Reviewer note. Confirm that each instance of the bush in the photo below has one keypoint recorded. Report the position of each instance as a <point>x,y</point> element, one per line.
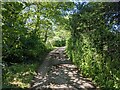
<point>59,43</point>
<point>94,48</point>
<point>102,64</point>
<point>24,50</point>
<point>20,42</point>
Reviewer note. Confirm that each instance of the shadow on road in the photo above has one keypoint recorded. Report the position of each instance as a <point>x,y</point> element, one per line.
<point>58,73</point>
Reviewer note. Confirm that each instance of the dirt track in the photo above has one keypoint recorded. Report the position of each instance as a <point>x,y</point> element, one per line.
<point>58,73</point>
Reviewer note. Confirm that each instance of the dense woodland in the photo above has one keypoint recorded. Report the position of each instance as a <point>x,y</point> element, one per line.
<point>89,30</point>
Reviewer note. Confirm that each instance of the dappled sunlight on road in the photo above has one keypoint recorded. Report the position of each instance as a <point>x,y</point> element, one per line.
<point>58,72</point>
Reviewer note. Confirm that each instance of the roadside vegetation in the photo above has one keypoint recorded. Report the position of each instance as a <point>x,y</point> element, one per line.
<point>90,31</point>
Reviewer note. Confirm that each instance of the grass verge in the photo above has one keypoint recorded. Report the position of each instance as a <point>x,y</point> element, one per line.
<point>18,75</point>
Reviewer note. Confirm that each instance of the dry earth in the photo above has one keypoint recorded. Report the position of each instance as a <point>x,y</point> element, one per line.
<point>58,73</point>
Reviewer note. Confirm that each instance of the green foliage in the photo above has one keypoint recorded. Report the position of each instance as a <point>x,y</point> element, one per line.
<point>59,43</point>
<point>18,75</point>
<point>93,48</point>
<point>30,29</point>
<point>59,37</point>
<point>19,43</point>
<point>26,29</point>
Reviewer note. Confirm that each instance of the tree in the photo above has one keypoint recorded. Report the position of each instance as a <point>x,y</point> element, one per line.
<point>92,46</point>
<point>28,27</point>
<point>19,42</point>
